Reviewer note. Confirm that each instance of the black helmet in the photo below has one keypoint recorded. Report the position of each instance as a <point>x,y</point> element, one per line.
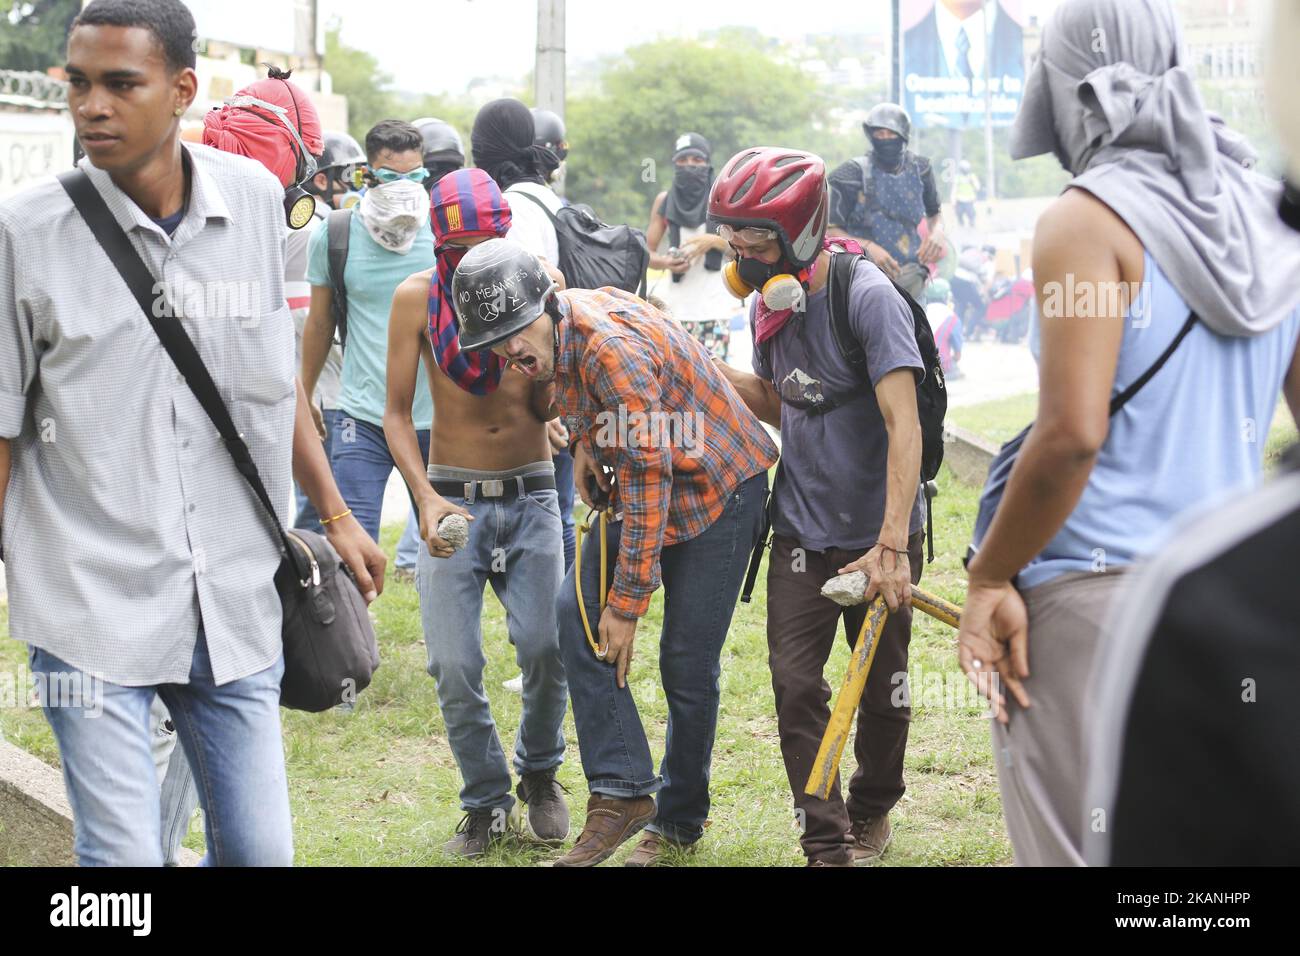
<point>548,131</point>
<point>889,116</point>
<point>499,289</point>
<point>442,144</point>
<point>340,150</point>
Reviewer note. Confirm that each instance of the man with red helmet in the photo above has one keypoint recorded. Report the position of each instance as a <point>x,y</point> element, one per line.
<point>845,498</point>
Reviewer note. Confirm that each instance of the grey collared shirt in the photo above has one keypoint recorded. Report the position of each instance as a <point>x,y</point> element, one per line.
<point>126,525</point>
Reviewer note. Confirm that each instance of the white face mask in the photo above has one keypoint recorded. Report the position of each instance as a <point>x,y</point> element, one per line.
<point>394,213</point>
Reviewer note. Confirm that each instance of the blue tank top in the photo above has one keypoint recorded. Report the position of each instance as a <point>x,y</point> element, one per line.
<point>1193,434</point>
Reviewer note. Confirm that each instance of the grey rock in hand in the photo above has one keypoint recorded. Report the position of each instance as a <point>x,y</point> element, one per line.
<point>846,590</point>
<point>454,529</point>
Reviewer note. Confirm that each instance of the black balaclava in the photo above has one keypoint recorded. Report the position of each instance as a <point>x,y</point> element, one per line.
<point>502,144</point>
<point>888,153</point>
<point>688,198</point>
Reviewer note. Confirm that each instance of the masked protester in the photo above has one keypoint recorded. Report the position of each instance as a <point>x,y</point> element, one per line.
<point>689,250</point>
<point>444,152</point>
<point>506,146</point>
<point>164,580</point>
<point>274,122</point>
<point>338,172</point>
<point>847,498</point>
<point>489,461</point>
<point>1190,331</point>
<point>1219,599</point>
<point>881,199</point>
<point>388,239</point>
<point>549,133</point>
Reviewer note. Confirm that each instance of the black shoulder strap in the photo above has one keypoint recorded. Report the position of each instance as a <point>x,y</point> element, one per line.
<point>339,225</point>
<point>1122,399</point>
<point>171,332</point>
<point>839,281</point>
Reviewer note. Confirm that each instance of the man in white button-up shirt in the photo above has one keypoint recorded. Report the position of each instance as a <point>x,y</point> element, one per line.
<point>138,560</point>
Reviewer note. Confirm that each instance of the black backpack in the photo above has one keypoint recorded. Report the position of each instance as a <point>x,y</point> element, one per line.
<point>931,390</point>
<point>593,253</point>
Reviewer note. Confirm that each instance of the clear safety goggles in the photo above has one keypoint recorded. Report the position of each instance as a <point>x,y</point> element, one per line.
<point>752,235</point>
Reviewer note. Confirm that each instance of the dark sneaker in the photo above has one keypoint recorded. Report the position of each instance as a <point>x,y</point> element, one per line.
<point>828,863</point>
<point>655,849</point>
<point>547,819</point>
<point>478,830</point>
<point>870,839</point>
<point>611,821</point>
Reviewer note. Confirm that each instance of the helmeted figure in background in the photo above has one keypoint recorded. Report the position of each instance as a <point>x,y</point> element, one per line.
<point>881,199</point>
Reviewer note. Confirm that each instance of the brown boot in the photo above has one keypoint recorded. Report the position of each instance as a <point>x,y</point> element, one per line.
<point>870,839</point>
<point>611,821</point>
<point>654,849</point>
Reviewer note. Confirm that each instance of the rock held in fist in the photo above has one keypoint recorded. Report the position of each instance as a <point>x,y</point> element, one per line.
<point>846,590</point>
<point>454,529</point>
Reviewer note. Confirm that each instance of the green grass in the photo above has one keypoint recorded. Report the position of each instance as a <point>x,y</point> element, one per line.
<point>379,786</point>
<point>1001,419</point>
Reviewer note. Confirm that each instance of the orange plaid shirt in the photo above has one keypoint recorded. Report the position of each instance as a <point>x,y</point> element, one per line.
<point>645,398</point>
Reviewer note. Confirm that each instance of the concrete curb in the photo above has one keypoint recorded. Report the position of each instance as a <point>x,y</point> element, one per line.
<point>35,816</point>
<point>967,454</point>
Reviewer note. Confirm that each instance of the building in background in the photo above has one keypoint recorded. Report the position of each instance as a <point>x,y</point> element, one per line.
<point>236,38</point>
<point>36,138</point>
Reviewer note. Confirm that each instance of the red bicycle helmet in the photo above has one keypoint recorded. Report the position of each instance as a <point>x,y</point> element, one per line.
<point>775,188</point>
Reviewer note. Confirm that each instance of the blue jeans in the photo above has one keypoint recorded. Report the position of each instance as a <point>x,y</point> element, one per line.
<point>514,544</point>
<point>409,543</point>
<point>307,517</point>
<point>701,580</point>
<point>565,488</point>
<point>231,737</point>
<point>362,464</point>
<point>179,797</point>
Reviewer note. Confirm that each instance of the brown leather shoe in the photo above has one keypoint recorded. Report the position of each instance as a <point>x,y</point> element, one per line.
<point>870,839</point>
<point>611,821</point>
<point>654,849</point>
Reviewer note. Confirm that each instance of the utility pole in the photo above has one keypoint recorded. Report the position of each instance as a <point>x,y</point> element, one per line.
<point>549,68</point>
<point>989,181</point>
<point>895,58</point>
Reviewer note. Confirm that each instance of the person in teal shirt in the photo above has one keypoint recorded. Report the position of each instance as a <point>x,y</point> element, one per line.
<point>388,239</point>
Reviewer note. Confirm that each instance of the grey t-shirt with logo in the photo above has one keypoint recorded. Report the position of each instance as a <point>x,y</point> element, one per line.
<point>831,490</point>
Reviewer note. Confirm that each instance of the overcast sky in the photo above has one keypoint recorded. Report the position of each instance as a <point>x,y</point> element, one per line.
<point>438,45</point>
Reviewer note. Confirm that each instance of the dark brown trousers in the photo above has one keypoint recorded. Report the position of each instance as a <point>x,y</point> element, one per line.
<point>801,627</point>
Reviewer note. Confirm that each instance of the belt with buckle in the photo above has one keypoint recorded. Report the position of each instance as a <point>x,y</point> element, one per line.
<point>493,487</point>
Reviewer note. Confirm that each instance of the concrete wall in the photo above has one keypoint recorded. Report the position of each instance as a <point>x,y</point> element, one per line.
<point>35,818</point>
<point>968,455</point>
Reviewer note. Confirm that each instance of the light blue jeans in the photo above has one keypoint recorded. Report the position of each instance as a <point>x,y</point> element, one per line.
<point>515,544</point>
<point>408,545</point>
<point>179,796</point>
<point>231,737</point>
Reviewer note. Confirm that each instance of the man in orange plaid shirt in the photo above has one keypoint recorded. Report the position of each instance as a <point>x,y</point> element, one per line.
<point>689,460</point>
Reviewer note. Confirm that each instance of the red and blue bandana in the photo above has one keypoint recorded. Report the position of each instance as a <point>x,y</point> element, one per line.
<point>466,204</point>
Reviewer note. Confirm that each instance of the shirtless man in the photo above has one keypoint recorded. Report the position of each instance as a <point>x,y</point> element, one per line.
<point>490,461</point>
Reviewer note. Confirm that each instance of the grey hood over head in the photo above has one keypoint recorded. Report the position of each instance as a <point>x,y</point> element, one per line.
<point>1109,97</point>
